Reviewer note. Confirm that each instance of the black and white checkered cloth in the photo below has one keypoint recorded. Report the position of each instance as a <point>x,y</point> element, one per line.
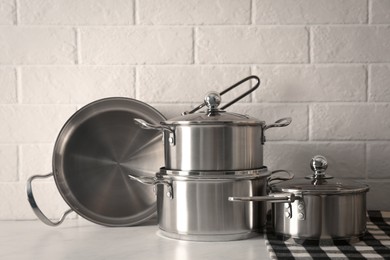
<point>374,245</point>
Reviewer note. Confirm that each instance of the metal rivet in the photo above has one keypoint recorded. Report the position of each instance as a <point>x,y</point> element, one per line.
<point>287,214</point>
<point>286,206</point>
<point>170,139</point>
<point>300,216</point>
<point>300,206</point>
<point>169,194</point>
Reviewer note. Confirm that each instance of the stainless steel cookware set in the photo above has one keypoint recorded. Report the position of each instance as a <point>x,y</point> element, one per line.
<point>211,183</point>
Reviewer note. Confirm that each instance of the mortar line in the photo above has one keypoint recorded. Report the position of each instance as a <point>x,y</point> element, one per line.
<point>135,92</point>
<point>18,162</point>
<point>309,119</point>
<point>252,12</point>
<point>367,81</point>
<point>78,46</point>
<point>16,12</point>
<point>310,44</point>
<point>368,18</point>
<point>194,52</point>
<point>18,74</point>
<point>365,161</point>
<point>135,12</point>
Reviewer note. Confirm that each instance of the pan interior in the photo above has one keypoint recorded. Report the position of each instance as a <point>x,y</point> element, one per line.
<point>98,148</point>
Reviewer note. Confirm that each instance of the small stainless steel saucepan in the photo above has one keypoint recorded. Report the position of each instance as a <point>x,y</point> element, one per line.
<point>317,207</point>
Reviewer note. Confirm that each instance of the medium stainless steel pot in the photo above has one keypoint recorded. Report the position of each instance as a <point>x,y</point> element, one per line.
<point>195,206</point>
<point>317,207</point>
<point>214,140</point>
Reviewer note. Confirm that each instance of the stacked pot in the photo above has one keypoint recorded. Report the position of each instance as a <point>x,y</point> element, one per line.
<point>209,157</point>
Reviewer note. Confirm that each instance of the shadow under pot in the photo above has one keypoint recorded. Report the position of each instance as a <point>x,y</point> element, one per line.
<point>317,207</point>
<point>195,206</point>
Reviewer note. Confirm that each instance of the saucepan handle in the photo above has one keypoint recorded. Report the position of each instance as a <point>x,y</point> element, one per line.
<point>35,207</point>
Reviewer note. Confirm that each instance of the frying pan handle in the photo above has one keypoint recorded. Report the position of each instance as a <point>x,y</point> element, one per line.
<point>35,207</point>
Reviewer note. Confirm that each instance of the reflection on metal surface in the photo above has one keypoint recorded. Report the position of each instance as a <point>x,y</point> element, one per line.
<point>181,209</point>
<point>94,153</point>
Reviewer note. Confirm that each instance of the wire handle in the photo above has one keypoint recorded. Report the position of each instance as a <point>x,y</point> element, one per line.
<point>227,90</point>
<point>42,217</point>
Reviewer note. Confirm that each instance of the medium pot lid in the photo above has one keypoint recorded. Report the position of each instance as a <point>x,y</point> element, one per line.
<point>320,182</point>
<point>213,115</point>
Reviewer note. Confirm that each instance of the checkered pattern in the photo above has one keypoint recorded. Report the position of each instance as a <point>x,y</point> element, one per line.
<point>374,245</point>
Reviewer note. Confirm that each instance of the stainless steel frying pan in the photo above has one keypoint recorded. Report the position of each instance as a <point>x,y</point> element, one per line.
<point>93,154</point>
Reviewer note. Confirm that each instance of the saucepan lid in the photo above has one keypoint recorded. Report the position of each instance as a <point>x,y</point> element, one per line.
<point>320,182</point>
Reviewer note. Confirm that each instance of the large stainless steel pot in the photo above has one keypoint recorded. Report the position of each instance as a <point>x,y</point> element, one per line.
<point>317,207</point>
<point>195,206</point>
<point>214,140</point>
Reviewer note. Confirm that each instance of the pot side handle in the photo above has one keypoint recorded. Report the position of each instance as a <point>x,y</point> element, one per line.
<point>146,125</point>
<point>153,181</point>
<point>35,207</point>
<point>274,177</point>
<point>279,123</point>
<point>275,198</point>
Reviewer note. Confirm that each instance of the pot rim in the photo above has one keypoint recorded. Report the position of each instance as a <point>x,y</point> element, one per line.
<point>214,175</point>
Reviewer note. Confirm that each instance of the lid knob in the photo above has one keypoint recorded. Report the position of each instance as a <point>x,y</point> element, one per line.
<point>212,101</point>
<point>319,164</point>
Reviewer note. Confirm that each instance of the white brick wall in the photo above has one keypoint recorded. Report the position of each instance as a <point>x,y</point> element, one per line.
<point>326,63</point>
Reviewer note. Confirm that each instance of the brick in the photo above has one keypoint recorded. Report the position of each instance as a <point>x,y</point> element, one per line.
<point>7,12</point>
<point>252,45</point>
<point>177,84</point>
<point>311,83</point>
<point>137,45</point>
<point>37,45</point>
<point>346,160</point>
<point>35,159</point>
<point>380,11</point>
<point>350,122</point>
<point>307,12</point>
<point>16,206</point>
<point>171,110</point>
<point>378,160</point>
<point>297,130</point>
<point>9,162</point>
<point>379,83</point>
<point>86,12</point>
<point>8,86</point>
<point>378,196</point>
<point>194,12</point>
<point>351,44</point>
<point>80,85</point>
<point>31,123</point>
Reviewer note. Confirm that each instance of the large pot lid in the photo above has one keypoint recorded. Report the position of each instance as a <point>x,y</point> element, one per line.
<point>95,151</point>
<point>213,115</point>
<point>320,182</point>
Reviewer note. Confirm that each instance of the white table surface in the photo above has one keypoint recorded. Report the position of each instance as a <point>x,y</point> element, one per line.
<point>79,239</point>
